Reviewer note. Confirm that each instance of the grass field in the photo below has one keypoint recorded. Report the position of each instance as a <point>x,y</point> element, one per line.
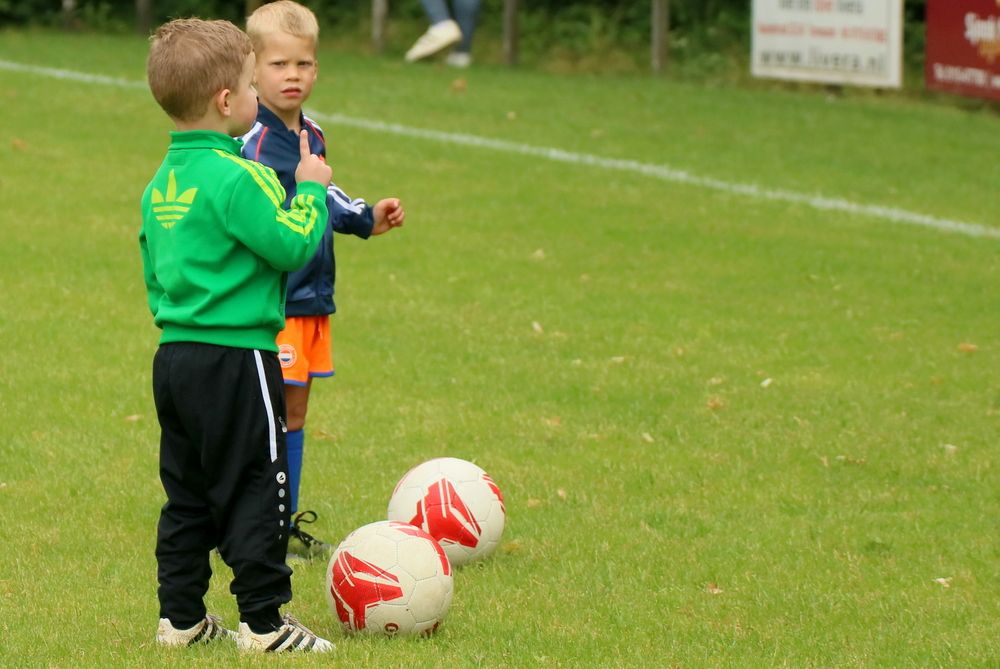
<point>731,432</point>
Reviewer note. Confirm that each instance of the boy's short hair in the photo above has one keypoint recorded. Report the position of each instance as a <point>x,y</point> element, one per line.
<point>190,60</point>
<point>282,16</point>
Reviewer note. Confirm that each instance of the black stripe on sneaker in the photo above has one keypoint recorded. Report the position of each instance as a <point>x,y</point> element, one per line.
<point>197,637</point>
<point>277,642</point>
<point>312,642</point>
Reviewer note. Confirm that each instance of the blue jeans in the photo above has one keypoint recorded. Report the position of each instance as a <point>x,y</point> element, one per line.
<point>466,15</point>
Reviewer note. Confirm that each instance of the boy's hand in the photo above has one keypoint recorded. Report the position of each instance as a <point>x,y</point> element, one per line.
<point>388,214</point>
<point>311,167</point>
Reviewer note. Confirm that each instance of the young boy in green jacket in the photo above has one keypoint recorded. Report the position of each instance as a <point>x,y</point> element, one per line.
<point>216,245</point>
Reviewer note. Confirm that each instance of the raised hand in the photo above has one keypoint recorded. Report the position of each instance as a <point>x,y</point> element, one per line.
<point>311,167</point>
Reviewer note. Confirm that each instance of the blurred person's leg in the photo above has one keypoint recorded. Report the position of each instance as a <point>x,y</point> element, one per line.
<point>436,10</point>
<point>466,15</point>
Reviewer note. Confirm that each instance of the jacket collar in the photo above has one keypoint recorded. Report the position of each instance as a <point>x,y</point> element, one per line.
<point>204,139</point>
<point>270,120</point>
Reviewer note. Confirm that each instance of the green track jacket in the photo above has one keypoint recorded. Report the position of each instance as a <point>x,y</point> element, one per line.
<point>217,244</point>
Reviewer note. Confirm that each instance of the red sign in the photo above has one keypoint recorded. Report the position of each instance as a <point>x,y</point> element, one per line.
<point>963,47</point>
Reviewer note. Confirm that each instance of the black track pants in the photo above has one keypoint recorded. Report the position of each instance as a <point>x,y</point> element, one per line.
<point>224,467</point>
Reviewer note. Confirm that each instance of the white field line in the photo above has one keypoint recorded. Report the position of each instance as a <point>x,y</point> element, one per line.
<point>661,172</point>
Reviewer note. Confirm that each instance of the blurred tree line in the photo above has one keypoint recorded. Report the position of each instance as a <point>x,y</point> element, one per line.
<point>115,13</point>
<point>707,35</point>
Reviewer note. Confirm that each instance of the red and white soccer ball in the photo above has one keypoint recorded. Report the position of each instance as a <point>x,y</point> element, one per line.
<point>389,578</point>
<point>454,501</point>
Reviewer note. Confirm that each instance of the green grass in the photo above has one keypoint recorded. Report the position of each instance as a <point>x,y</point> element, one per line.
<point>665,508</point>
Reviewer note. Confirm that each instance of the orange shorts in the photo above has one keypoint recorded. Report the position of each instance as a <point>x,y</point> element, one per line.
<point>305,349</point>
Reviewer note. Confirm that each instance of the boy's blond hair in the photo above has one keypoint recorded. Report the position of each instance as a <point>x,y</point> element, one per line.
<point>283,16</point>
<point>190,60</point>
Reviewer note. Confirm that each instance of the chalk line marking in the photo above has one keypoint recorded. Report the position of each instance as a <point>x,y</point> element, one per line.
<point>656,171</point>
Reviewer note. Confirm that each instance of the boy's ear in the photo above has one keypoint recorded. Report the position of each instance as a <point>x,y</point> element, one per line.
<point>221,103</point>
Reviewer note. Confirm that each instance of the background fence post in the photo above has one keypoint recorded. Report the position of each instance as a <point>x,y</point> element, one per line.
<point>380,10</point>
<point>510,32</point>
<point>69,14</point>
<point>143,16</point>
<point>661,34</point>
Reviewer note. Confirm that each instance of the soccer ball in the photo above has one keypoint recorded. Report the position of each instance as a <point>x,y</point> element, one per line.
<point>455,502</point>
<point>390,578</point>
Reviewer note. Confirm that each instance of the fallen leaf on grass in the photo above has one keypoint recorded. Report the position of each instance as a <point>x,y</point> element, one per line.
<point>539,254</point>
<point>713,589</point>
<point>647,437</point>
<point>533,503</point>
<point>944,582</point>
<point>561,493</point>
<point>967,347</point>
<point>554,421</point>
<point>459,85</point>
<point>766,382</point>
<point>512,546</point>
<point>949,448</point>
<point>716,381</point>
<point>133,418</point>
<point>537,327</point>
<point>618,359</point>
<point>715,403</point>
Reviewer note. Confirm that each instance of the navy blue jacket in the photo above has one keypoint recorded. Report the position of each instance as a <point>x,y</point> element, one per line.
<point>310,289</point>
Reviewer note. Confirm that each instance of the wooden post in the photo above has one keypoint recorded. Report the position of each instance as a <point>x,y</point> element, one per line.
<point>661,34</point>
<point>380,10</point>
<point>143,16</point>
<point>69,14</point>
<point>510,32</point>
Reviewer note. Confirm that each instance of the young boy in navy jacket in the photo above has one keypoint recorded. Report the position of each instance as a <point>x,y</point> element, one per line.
<point>284,36</point>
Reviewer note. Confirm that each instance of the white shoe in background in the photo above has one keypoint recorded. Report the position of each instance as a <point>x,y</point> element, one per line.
<point>459,59</point>
<point>438,36</point>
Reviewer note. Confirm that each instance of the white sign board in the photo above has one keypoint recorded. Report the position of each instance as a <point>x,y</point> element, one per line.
<point>856,42</point>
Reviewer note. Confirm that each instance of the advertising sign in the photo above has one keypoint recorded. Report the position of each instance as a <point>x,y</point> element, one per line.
<point>963,47</point>
<point>855,42</point>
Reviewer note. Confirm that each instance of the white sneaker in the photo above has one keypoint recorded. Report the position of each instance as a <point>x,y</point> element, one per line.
<point>459,59</point>
<point>438,36</point>
<point>206,631</point>
<point>291,636</point>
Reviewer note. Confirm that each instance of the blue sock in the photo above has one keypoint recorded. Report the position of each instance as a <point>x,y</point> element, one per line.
<point>294,441</point>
